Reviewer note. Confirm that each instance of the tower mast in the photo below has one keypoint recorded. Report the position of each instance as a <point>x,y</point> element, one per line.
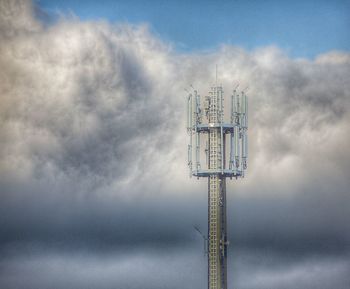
<point>218,166</point>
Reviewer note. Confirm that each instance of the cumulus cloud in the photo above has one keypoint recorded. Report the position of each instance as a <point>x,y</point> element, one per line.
<point>93,148</point>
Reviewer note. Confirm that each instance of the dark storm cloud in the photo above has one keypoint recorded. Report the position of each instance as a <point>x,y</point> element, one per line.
<point>92,160</point>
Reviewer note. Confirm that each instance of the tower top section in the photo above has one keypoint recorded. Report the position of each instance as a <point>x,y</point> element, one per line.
<point>223,137</point>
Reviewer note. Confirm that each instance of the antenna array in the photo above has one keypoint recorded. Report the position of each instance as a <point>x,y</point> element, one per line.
<point>235,131</point>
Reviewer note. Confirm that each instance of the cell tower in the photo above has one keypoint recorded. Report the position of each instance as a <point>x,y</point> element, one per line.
<point>221,139</point>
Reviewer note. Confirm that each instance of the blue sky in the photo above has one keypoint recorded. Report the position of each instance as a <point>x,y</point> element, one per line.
<point>301,28</point>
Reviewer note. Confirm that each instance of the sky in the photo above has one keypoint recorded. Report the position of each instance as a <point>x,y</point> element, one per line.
<point>301,28</point>
<point>94,186</point>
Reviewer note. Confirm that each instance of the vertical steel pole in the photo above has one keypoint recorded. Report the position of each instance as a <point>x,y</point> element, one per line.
<point>216,168</point>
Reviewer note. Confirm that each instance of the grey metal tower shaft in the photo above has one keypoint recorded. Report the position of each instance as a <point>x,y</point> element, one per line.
<point>217,229</point>
<point>217,234</point>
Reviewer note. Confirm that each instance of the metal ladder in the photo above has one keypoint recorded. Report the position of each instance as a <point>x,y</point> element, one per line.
<point>214,192</point>
<point>213,232</point>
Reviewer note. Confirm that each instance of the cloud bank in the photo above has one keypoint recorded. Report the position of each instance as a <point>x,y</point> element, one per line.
<point>93,175</point>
